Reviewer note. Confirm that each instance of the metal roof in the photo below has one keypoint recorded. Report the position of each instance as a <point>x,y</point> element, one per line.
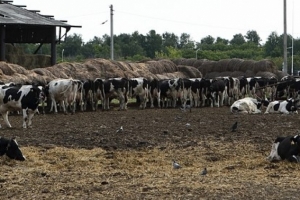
<point>17,15</point>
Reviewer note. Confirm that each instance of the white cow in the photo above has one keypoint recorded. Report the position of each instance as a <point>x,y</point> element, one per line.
<point>246,105</point>
<point>285,107</point>
<point>64,91</point>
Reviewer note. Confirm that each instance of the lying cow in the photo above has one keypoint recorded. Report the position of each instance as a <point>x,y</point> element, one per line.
<point>285,107</point>
<point>247,105</point>
<point>11,149</point>
<point>285,148</point>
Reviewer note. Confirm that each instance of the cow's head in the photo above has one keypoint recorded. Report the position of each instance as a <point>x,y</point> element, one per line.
<point>292,105</point>
<point>296,140</point>
<point>261,103</point>
<point>11,149</point>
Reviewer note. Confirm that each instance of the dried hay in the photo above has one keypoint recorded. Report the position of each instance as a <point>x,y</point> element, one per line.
<point>264,65</point>
<point>189,71</point>
<point>237,74</point>
<point>265,74</point>
<point>161,66</point>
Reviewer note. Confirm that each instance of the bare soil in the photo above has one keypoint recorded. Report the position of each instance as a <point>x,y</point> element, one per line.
<point>82,156</point>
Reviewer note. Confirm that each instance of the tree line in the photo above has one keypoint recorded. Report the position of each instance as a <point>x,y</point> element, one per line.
<point>137,47</point>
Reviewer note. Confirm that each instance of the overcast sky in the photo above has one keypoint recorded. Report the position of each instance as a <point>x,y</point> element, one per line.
<point>198,18</point>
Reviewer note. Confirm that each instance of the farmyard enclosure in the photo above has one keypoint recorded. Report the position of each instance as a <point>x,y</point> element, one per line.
<point>82,157</point>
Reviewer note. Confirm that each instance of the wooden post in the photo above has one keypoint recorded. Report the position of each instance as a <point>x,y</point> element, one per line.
<point>53,46</point>
<point>2,43</point>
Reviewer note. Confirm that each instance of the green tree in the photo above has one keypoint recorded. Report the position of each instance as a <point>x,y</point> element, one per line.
<point>253,37</point>
<point>153,43</point>
<point>238,39</point>
<point>208,40</point>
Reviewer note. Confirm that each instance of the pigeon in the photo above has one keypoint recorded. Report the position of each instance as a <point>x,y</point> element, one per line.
<point>204,172</point>
<point>234,126</point>
<point>120,129</point>
<point>176,165</point>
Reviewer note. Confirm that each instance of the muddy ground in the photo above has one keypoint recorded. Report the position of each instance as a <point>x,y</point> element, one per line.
<point>82,156</point>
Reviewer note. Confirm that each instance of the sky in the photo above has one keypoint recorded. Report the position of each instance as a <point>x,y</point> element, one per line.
<point>198,18</point>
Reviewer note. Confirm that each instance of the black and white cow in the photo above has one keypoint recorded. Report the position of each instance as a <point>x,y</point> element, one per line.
<point>169,89</point>
<point>217,92</point>
<point>232,89</point>
<point>10,148</point>
<point>285,107</point>
<point>113,88</point>
<point>247,105</point>
<point>244,87</point>
<point>186,92</point>
<point>25,98</point>
<point>153,91</point>
<point>63,91</point>
<point>138,87</point>
<point>88,94</point>
<point>285,148</point>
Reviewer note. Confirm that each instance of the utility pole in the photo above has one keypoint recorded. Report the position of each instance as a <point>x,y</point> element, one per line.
<point>284,39</point>
<point>111,33</point>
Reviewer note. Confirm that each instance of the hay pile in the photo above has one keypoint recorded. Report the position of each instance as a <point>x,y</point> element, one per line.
<point>96,68</point>
<point>233,67</point>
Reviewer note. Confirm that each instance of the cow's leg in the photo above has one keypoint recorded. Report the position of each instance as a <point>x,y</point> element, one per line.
<point>158,99</point>
<point>5,118</point>
<point>30,117</point>
<point>221,98</point>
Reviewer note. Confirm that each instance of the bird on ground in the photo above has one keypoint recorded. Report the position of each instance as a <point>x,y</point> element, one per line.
<point>120,129</point>
<point>204,172</point>
<point>234,127</point>
<point>176,165</point>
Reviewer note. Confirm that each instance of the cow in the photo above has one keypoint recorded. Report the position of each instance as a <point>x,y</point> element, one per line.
<point>88,94</point>
<point>217,92</point>
<point>112,88</point>
<point>244,87</point>
<point>285,148</point>
<point>285,107</point>
<point>11,149</point>
<point>64,91</point>
<point>153,91</point>
<point>186,92</point>
<point>25,98</point>
<point>169,89</point>
<point>232,89</point>
<point>139,87</point>
<point>196,91</point>
<point>247,105</point>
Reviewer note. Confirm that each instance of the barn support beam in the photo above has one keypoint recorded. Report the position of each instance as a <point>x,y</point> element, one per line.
<point>2,43</point>
<point>53,46</point>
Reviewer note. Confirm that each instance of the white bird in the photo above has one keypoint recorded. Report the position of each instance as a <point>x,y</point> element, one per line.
<point>120,129</point>
<point>176,165</point>
<point>204,172</point>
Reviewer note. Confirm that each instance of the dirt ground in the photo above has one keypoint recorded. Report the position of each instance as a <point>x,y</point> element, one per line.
<point>82,156</point>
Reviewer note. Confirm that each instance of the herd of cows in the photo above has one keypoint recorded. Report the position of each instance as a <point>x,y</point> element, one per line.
<point>243,95</point>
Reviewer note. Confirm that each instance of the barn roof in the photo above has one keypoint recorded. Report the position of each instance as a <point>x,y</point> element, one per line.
<point>20,25</point>
<point>17,15</point>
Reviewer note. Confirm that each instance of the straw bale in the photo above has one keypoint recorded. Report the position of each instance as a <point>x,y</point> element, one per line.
<point>264,65</point>
<point>247,65</point>
<point>237,74</point>
<point>280,74</point>
<point>6,68</point>
<point>265,74</point>
<point>212,75</point>
<point>189,72</point>
<point>249,73</point>
<point>161,66</point>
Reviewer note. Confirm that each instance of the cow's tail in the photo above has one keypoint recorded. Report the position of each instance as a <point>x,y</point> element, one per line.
<point>69,86</point>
